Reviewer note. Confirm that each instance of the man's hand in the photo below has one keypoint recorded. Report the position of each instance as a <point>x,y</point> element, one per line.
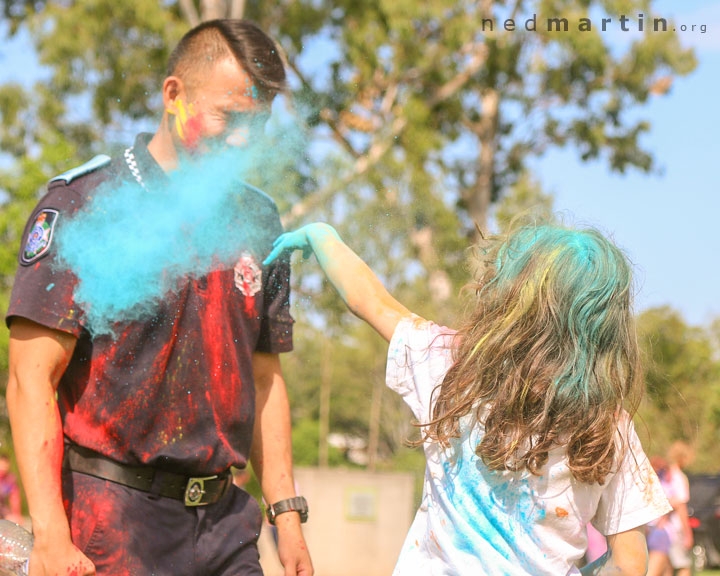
<point>292,549</point>
<point>38,357</point>
<point>58,557</point>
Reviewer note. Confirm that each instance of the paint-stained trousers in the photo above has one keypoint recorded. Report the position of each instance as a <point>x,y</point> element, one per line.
<point>126,532</point>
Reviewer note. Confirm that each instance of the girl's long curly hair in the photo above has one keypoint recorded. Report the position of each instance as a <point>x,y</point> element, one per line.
<point>549,355</point>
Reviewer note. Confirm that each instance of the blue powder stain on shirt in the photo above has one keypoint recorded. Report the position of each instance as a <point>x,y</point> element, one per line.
<point>192,224</point>
<point>497,508</point>
<point>50,286</point>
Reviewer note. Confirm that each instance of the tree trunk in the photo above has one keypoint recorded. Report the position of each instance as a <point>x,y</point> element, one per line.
<point>325,386</point>
<point>187,7</point>
<point>478,197</point>
<point>212,9</point>
<point>374,436</point>
<point>438,280</point>
<point>237,9</point>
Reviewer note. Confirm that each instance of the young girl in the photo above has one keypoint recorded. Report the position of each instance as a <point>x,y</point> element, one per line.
<point>521,409</point>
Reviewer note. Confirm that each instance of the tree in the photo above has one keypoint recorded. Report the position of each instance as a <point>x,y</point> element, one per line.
<point>682,374</point>
<point>431,114</point>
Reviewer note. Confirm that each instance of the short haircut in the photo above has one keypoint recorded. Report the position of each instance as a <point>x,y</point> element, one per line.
<point>215,40</point>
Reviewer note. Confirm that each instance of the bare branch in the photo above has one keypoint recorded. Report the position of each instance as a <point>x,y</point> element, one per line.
<point>187,7</point>
<point>478,197</point>
<point>453,85</point>
<point>516,9</point>
<point>389,99</point>
<point>325,114</point>
<point>376,151</point>
<point>382,145</point>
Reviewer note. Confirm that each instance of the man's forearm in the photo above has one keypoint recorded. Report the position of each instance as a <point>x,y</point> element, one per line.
<point>271,456</point>
<point>271,453</point>
<point>38,441</point>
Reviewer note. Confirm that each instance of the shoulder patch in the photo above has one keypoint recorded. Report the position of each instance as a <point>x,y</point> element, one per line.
<point>248,275</point>
<point>98,162</point>
<point>40,236</point>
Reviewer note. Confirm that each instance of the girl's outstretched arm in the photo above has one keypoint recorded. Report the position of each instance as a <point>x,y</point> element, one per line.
<point>626,556</point>
<point>353,280</point>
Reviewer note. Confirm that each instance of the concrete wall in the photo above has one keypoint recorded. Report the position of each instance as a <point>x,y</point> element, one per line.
<point>357,525</point>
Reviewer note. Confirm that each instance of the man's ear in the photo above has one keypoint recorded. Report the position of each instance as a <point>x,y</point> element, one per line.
<point>173,93</point>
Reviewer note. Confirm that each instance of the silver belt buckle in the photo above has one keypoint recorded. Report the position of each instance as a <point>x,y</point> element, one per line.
<point>195,490</point>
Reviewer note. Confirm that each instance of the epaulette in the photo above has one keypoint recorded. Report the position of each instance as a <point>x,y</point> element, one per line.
<point>98,162</point>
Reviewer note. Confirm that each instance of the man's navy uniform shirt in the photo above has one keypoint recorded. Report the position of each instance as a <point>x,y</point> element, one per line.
<point>175,391</point>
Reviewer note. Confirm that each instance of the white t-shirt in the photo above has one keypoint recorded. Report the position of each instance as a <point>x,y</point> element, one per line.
<point>475,521</point>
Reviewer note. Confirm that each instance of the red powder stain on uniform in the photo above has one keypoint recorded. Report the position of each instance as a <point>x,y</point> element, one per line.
<point>561,512</point>
<point>249,305</point>
<point>96,513</point>
<point>99,433</point>
<point>435,540</point>
<point>222,362</point>
<point>162,359</point>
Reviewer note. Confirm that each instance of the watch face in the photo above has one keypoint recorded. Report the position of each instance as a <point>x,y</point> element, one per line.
<point>297,504</point>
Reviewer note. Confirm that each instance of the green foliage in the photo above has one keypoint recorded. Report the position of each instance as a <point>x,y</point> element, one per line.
<point>525,199</point>
<point>430,121</point>
<point>682,374</point>
<point>305,438</point>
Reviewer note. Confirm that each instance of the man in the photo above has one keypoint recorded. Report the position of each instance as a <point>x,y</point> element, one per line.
<point>126,470</point>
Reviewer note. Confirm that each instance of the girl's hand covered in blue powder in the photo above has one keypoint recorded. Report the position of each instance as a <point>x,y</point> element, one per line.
<point>355,282</point>
<point>300,239</point>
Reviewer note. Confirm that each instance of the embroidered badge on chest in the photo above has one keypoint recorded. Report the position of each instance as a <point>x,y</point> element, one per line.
<point>248,275</point>
<point>40,236</point>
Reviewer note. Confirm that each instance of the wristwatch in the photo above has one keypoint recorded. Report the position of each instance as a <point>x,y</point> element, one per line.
<point>297,504</point>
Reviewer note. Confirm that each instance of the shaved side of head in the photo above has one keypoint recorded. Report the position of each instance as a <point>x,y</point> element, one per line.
<point>211,42</point>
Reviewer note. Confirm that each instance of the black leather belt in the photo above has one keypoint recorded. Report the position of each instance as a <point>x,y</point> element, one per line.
<point>192,490</point>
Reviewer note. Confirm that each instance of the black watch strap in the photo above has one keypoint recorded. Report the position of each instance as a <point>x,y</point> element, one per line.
<point>297,504</point>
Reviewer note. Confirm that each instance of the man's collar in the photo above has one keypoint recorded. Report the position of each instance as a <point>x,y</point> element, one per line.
<point>149,170</point>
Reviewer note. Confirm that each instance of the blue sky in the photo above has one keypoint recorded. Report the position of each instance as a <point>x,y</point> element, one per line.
<point>667,223</point>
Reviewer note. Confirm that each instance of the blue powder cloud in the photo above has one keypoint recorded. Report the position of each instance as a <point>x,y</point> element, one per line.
<point>129,246</point>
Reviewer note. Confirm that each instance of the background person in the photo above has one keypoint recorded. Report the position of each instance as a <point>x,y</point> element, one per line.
<point>658,539</point>
<point>10,500</point>
<point>680,456</point>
